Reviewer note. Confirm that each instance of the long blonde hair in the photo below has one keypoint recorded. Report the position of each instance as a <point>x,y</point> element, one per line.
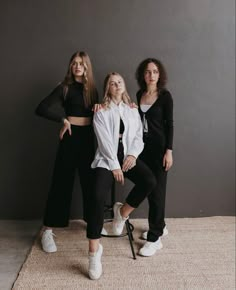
<point>90,92</point>
<point>107,96</point>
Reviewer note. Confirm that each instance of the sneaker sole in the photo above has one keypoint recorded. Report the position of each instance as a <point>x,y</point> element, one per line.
<point>52,251</point>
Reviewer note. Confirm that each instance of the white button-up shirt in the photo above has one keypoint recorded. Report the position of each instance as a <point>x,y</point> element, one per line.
<point>106,126</point>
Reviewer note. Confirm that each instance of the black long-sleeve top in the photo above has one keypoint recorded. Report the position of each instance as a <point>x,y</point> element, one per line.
<point>159,119</point>
<point>72,102</point>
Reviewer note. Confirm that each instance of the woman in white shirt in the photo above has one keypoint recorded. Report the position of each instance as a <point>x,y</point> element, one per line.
<point>118,129</point>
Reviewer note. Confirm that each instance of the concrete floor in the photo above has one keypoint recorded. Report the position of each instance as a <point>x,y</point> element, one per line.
<point>16,238</point>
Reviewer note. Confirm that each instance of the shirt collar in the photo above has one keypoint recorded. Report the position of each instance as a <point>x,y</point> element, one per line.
<point>114,105</point>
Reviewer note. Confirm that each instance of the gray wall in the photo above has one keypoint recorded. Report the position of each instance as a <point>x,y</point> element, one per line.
<point>194,39</point>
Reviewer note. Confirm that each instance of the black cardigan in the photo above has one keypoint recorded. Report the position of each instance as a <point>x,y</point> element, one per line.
<point>160,119</point>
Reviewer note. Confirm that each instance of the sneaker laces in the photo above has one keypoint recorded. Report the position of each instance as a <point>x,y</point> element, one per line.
<point>49,236</point>
<point>93,261</point>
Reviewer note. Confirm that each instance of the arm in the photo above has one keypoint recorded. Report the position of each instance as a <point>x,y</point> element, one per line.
<point>105,142</point>
<point>97,107</point>
<point>66,126</point>
<point>137,144</point>
<point>44,108</point>
<point>168,115</point>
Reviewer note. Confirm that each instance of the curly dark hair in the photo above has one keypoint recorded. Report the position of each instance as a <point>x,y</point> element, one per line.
<point>141,69</point>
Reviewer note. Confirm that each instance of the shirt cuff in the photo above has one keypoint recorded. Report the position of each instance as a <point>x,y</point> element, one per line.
<point>114,164</point>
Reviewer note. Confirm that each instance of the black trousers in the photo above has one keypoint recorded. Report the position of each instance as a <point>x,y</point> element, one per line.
<point>75,152</point>
<point>152,156</point>
<point>144,182</point>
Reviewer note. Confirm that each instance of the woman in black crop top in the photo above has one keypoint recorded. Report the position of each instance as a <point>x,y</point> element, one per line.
<point>156,110</point>
<point>77,95</point>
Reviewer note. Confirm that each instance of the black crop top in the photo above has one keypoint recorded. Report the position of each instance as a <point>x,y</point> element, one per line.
<point>73,103</point>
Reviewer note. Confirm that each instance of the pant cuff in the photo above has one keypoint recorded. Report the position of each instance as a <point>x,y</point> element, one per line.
<point>93,237</point>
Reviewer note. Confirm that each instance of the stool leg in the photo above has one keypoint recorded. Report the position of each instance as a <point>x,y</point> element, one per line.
<point>130,238</point>
<point>131,231</point>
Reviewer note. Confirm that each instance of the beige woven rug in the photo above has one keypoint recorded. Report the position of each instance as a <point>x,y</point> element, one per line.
<point>198,253</point>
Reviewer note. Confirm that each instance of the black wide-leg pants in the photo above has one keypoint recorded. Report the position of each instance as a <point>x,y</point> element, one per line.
<point>152,156</point>
<point>75,152</point>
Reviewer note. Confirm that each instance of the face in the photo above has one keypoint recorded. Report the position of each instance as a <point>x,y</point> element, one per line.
<point>151,74</point>
<point>77,67</point>
<point>116,85</point>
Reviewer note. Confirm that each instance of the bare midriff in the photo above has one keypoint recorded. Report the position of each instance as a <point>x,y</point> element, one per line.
<point>80,121</point>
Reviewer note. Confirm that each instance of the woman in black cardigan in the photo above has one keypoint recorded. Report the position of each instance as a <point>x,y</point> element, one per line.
<point>156,110</point>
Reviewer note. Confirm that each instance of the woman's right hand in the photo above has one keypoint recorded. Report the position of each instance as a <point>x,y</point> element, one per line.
<point>97,107</point>
<point>118,175</point>
<point>65,127</point>
<point>133,105</point>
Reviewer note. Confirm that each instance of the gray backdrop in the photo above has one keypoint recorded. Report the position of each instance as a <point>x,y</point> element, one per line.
<point>196,42</point>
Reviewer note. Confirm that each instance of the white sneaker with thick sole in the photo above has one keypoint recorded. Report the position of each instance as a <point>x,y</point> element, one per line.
<point>150,248</point>
<point>95,265</point>
<point>118,221</point>
<point>47,241</point>
<point>165,233</point>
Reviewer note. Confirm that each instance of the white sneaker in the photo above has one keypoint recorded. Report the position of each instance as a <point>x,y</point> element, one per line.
<point>104,232</point>
<point>47,241</point>
<point>150,248</point>
<point>118,221</point>
<point>95,265</point>
<point>165,233</point>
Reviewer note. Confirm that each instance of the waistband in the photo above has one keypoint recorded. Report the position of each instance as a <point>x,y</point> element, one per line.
<point>90,126</point>
<point>88,129</point>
